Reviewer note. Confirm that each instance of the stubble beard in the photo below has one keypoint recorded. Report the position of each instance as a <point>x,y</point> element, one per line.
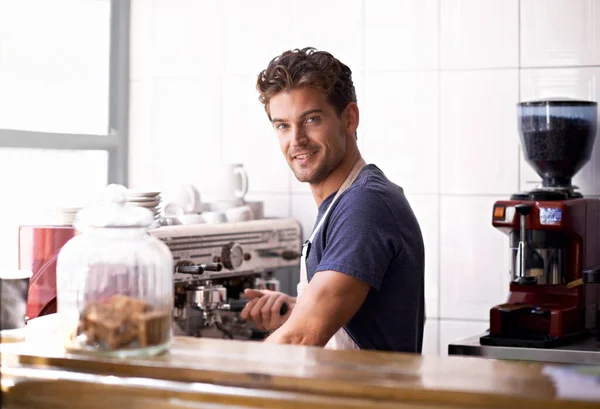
<point>319,174</point>
<point>323,168</point>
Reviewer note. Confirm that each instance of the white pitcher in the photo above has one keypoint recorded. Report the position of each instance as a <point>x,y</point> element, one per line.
<point>234,185</point>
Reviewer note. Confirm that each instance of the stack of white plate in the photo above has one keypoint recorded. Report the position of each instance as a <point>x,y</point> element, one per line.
<point>149,200</point>
<point>63,216</point>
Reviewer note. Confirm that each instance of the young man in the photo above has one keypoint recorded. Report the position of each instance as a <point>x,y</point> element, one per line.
<point>362,270</point>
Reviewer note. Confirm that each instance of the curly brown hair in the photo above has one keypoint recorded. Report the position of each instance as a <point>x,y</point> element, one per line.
<point>307,67</point>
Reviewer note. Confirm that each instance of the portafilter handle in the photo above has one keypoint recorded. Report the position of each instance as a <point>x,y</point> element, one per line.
<point>193,269</point>
<point>523,210</point>
<point>198,269</point>
<point>238,305</point>
<point>212,266</point>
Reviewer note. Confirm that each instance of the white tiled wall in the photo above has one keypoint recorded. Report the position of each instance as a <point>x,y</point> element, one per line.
<point>403,136</point>
<point>560,33</point>
<point>478,131</point>
<point>401,35</point>
<point>437,83</point>
<point>474,259</point>
<point>479,34</point>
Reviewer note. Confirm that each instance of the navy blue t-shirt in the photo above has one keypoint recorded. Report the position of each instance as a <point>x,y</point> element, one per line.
<point>371,233</point>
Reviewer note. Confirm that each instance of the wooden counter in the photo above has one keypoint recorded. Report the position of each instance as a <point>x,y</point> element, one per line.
<point>253,374</point>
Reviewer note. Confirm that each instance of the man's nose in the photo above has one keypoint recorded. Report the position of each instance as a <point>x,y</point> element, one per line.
<point>299,136</point>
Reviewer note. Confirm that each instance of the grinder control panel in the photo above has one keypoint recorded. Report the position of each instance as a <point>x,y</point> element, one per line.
<point>546,214</point>
<point>504,213</point>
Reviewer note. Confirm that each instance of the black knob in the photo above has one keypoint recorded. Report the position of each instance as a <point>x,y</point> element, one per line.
<point>523,209</point>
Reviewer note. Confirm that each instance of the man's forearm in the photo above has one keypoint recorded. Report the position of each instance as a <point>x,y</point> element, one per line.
<point>328,303</point>
<point>293,333</point>
<point>313,321</point>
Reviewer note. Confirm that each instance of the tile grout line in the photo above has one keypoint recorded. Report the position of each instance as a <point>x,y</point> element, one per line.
<point>439,196</point>
<point>154,137</point>
<point>471,69</point>
<point>364,63</point>
<point>221,12</point>
<point>519,182</point>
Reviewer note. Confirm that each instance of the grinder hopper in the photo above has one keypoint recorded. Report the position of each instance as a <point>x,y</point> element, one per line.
<point>557,137</point>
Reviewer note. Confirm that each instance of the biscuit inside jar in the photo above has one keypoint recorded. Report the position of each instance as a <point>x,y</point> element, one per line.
<point>122,322</point>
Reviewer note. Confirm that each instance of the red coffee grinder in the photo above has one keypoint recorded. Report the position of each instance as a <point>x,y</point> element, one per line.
<point>553,231</point>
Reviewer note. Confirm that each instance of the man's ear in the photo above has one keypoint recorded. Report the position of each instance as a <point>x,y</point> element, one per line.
<point>351,116</point>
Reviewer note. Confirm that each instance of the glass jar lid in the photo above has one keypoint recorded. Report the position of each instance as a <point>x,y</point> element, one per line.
<point>113,211</point>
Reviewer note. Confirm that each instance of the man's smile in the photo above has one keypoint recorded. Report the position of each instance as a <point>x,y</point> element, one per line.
<point>304,155</point>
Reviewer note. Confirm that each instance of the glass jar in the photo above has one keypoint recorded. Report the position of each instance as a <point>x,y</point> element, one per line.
<point>115,282</point>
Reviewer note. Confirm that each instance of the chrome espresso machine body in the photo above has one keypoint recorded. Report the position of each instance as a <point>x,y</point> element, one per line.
<point>215,263</point>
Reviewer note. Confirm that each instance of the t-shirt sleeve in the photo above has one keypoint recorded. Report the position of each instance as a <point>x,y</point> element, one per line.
<point>362,237</point>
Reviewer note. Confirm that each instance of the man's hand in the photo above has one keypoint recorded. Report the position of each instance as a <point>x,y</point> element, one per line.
<point>264,307</point>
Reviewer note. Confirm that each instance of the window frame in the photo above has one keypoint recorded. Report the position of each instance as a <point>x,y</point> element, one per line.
<point>116,139</point>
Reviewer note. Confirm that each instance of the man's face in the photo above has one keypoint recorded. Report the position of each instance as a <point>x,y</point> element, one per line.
<point>311,135</point>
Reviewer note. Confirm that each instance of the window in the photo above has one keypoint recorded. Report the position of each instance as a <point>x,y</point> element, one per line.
<point>64,73</point>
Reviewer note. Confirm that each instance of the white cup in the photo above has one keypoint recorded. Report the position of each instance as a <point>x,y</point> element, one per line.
<point>214,217</point>
<point>224,205</point>
<point>185,197</point>
<point>189,198</point>
<point>239,214</point>
<point>190,218</point>
<point>234,183</point>
<point>258,209</point>
<point>174,210</point>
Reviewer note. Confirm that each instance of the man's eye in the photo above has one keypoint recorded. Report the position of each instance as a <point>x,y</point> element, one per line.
<point>281,126</point>
<point>312,119</point>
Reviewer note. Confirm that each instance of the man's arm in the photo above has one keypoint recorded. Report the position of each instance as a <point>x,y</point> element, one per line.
<point>328,303</point>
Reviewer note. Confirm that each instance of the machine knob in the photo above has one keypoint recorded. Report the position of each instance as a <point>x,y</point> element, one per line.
<point>232,256</point>
<point>523,209</point>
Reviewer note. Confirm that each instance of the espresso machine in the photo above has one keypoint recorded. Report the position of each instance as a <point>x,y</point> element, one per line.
<point>553,233</point>
<point>215,263</point>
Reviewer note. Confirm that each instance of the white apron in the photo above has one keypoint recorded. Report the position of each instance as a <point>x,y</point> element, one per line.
<point>341,339</point>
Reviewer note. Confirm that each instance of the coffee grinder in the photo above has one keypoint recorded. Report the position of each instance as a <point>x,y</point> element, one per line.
<point>553,230</point>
